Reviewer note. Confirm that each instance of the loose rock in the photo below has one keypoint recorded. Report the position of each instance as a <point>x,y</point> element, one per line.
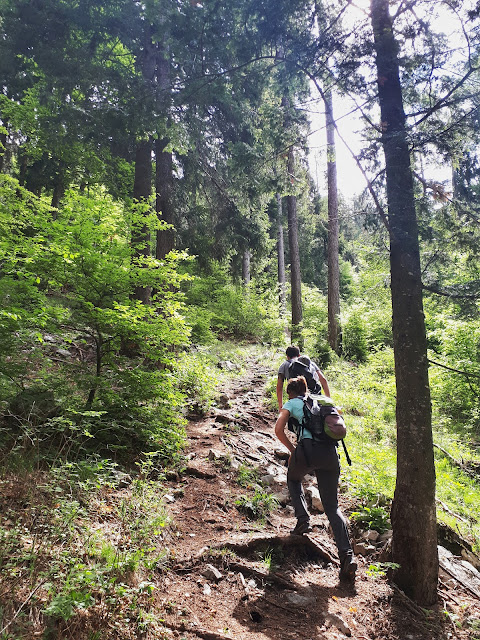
<point>212,573</point>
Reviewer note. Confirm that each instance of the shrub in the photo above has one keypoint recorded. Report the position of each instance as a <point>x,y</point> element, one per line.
<point>354,335</point>
<point>217,305</point>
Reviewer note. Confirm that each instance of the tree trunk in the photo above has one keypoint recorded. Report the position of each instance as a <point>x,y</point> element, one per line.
<point>413,510</point>
<point>282,296</point>
<point>295,275</point>
<point>246,267</point>
<point>164,205</point>
<point>58,191</point>
<point>142,189</point>
<point>333,227</point>
<point>3,149</point>
<point>164,164</point>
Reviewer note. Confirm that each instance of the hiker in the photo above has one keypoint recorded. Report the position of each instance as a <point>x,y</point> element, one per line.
<point>309,456</point>
<point>317,383</point>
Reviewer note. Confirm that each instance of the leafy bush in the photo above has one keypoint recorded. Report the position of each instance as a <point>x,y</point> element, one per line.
<point>217,305</point>
<point>257,506</point>
<point>372,518</point>
<point>73,318</point>
<point>354,335</point>
<point>197,380</point>
<point>455,394</point>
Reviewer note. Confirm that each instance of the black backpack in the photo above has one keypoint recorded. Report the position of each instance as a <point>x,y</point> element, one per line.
<point>323,421</point>
<point>298,368</point>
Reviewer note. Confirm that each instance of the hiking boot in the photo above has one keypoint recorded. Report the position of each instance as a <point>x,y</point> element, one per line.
<point>301,528</point>
<point>348,568</point>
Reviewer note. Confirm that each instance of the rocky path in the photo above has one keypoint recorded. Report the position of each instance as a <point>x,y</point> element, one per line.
<point>235,576</point>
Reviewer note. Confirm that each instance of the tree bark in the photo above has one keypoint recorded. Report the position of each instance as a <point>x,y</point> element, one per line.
<point>246,267</point>
<point>413,510</point>
<point>333,231</point>
<point>142,189</point>
<point>295,274</point>
<point>282,297</point>
<point>164,164</point>
<point>3,149</point>
<point>164,205</point>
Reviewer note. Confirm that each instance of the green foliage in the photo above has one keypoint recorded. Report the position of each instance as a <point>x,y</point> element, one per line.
<point>197,380</point>
<point>247,476</point>
<point>321,352</point>
<point>456,344</point>
<point>379,569</point>
<point>216,306</point>
<point>354,334</point>
<point>69,316</point>
<point>257,506</point>
<point>375,518</point>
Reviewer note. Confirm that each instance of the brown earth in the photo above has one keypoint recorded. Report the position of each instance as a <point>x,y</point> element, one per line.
<point>229,574</point>
<point>300,596</point>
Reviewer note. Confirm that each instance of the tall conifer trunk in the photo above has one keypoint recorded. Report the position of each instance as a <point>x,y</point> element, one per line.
<point>164,163</point>
<point>142,186</point>
<point>413,510</point>
<point>246,267</point>
<point>164,205</point>
<point>3,148</point>
<point>142,189</point>
<point>295,274</point>
<point>333,230</point>
<point>282,297</point>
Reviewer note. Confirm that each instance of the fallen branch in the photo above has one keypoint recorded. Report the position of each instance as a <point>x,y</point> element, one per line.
<point>452,513</point>
<point>17,612</point>
<point>455,462</point>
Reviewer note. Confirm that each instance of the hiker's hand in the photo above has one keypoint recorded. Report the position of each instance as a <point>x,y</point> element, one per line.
<point>290,457</point>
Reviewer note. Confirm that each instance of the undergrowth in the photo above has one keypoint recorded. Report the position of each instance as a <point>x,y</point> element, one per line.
<point>366,394</point>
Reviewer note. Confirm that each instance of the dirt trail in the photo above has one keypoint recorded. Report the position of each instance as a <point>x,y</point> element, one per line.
<point>235,577</point>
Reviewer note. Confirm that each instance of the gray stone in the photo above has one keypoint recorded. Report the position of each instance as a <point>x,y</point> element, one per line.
<point>281,479</point>
<point>384,537</point>
<point>212,573</point>
<point>313,496</point>
<point>370,535</point>
<point>283,497</point>
<point>227,365</point>
<point>363,549</point>
<point>334,620</point>
<point>224,401</point>
<point>267,480</point>
<point>300,601</point>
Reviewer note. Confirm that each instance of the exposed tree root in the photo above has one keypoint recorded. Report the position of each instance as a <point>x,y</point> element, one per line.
<point>198,631</point>
<point>261,575</point>
<point>285,541</point>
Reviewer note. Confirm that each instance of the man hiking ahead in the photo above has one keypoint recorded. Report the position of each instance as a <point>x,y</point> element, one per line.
<point>308,456</point>
<point>296,365</point>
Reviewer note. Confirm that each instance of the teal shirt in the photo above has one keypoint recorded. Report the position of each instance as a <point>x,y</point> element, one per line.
<point>295,407</point>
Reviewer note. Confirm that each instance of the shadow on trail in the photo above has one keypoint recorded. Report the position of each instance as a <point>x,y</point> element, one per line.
<point>281,614</point>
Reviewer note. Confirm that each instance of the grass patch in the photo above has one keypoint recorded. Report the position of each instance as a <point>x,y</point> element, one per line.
<point>366,394</point>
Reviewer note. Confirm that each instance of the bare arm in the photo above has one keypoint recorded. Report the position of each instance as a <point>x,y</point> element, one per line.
<point>280,392</point>
<point>324,383</point>
<point>280,425</point>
